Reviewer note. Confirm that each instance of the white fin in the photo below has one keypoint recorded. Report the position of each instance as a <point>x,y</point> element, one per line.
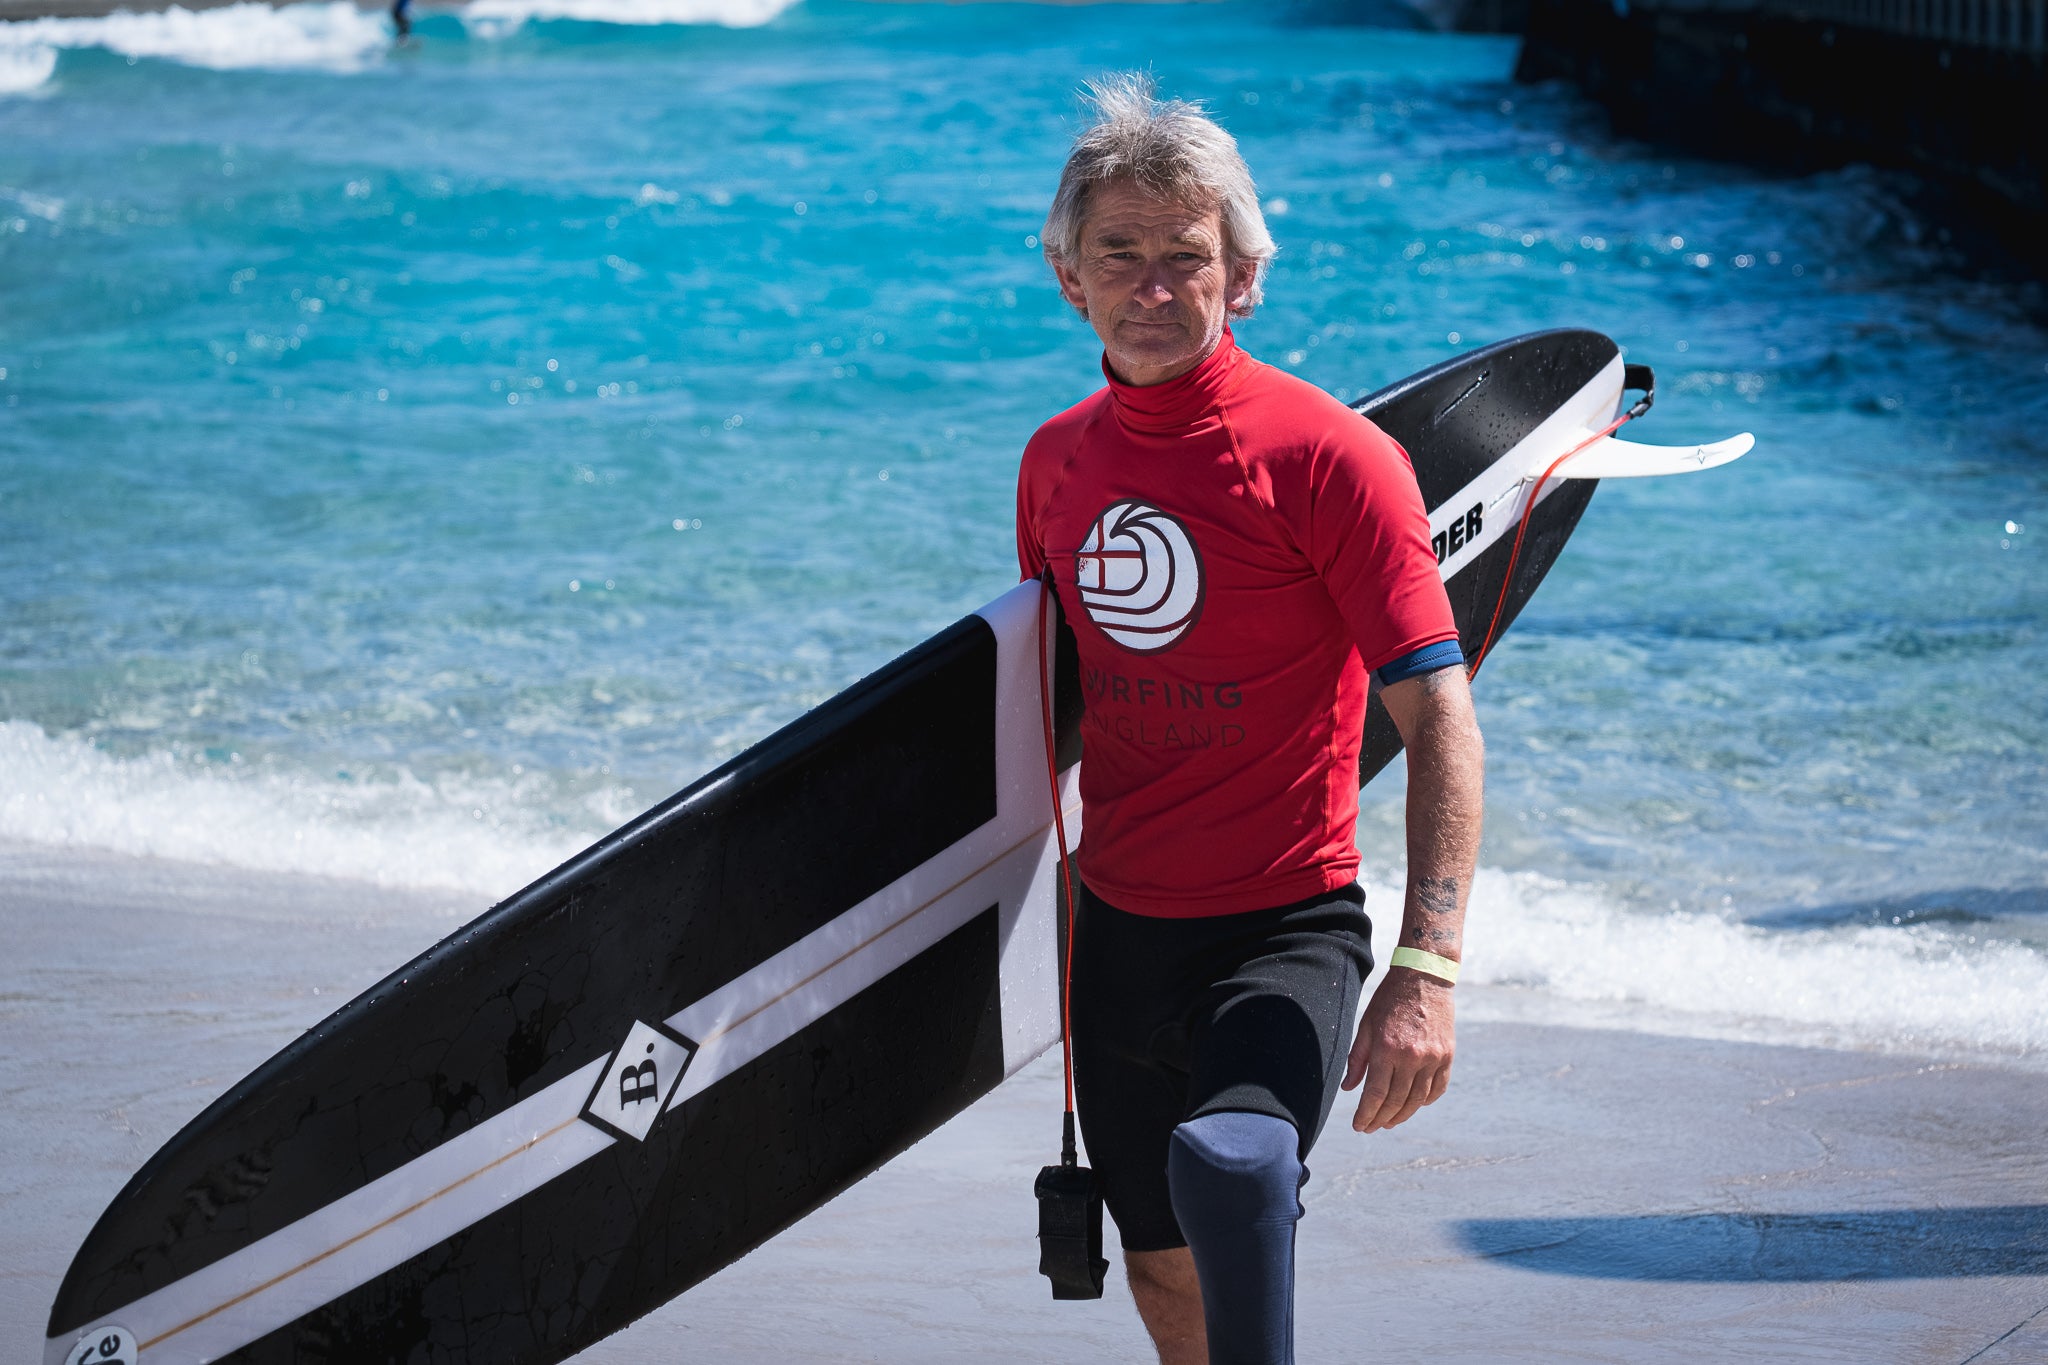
<point>1608,458</point>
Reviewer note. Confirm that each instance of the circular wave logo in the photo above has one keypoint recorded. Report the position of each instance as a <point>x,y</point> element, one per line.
<point>1139,577</point>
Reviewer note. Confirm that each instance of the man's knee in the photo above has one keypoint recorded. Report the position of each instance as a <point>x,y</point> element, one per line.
<point>1236,1182</point>
<point>1233,1170</point>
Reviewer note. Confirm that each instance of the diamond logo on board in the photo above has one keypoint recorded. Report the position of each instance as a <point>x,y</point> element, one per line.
<point>636,1086</point>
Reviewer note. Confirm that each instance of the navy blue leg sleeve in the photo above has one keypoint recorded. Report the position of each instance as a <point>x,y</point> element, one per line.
<point>1236,1182</point>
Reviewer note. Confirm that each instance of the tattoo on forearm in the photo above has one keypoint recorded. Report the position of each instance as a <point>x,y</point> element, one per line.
<point>1439,895</point>
<point>1435,921</point>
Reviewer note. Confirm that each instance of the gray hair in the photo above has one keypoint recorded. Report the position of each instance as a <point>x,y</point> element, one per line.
<point>1170,148</point>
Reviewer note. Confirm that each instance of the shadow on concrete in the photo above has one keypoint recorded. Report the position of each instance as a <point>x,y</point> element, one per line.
<point>1897,1244</point>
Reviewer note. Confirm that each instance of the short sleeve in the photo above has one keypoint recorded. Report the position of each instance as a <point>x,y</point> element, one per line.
<point>1366,532</point>
<point>1030,543</point>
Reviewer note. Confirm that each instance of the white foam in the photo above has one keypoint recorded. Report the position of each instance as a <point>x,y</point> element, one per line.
<point>23,69</point>
<point>452,833</point>
<point>43,206</point>
<point>497,16</point>
<point>1917,986</point>
<point>334,37</point>
<point>1569,952</point>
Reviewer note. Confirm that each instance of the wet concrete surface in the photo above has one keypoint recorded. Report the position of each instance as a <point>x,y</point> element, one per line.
<point>1580,1195</point>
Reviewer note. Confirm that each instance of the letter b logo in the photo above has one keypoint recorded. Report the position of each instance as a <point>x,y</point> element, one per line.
<point>640,1081</point>
<point>637,1084</point>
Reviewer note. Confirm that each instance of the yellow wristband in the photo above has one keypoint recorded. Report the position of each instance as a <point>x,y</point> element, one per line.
<point>1442,968</point>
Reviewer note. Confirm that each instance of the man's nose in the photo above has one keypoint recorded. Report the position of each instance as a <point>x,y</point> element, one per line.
<point>1152,290</point>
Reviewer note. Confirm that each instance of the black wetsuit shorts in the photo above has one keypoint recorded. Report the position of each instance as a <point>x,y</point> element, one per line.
<point>1173,1018</point>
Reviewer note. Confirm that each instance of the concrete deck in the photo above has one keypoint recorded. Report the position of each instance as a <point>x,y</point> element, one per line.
<point>1580,1195</point>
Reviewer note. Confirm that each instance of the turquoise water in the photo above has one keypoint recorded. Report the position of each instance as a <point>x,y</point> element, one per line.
<point>414,462</point>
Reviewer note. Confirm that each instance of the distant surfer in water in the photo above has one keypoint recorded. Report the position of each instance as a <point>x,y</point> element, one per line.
<point>1242,559</point>
<point>401,15</point>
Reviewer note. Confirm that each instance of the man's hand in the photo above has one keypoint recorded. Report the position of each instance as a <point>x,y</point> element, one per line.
<point>1405,1041</point>
<point>1403,1051</point>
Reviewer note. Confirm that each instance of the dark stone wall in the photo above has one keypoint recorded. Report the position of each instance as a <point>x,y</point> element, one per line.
<point>1777,88</point>
<point>1492,16</point>
<point>1444,16</point>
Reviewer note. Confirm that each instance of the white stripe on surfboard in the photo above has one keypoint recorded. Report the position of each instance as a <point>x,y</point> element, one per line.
<point>1500,490</point>
<point>1006,862</point>
<point>829,966</point>
<point>268,1283</point>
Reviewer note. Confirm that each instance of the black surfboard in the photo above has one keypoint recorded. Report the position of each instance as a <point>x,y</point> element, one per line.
<point>682,1041</point>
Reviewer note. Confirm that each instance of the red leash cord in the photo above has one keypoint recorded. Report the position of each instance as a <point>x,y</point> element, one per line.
<point>1069,1196</point>
<point>1047,649</point>
<point>1522,529</point>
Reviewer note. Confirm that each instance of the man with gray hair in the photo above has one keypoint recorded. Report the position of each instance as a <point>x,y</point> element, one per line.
<point>1242,559</point>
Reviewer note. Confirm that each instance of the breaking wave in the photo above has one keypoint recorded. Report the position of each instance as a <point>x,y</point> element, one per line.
<point>332,37</point>
<point>1568,952</point>
<point>489,835</point>
<point>1577,956</point>
<point>23,69</point>
<point>335,36</point>
<point>497,15</point>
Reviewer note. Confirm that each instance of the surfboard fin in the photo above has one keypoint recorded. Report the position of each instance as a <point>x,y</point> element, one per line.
<point>1612,458</point>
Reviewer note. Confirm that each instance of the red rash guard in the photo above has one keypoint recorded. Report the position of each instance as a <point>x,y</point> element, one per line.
<point>1235,550</point>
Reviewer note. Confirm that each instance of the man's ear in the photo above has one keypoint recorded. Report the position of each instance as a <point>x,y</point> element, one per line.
<point>1244,277</point>
<point>1070,285</point>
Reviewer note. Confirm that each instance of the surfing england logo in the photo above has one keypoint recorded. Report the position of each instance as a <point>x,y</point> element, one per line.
<point>1138,576</point>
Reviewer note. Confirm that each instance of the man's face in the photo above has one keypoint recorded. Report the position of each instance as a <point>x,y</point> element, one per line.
<point>1152,278</point>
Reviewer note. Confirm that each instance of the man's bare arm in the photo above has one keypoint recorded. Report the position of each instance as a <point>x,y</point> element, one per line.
<point>1407,1037</point>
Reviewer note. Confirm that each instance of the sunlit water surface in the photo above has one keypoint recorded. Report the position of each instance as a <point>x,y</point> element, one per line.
<point>415,462</point>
